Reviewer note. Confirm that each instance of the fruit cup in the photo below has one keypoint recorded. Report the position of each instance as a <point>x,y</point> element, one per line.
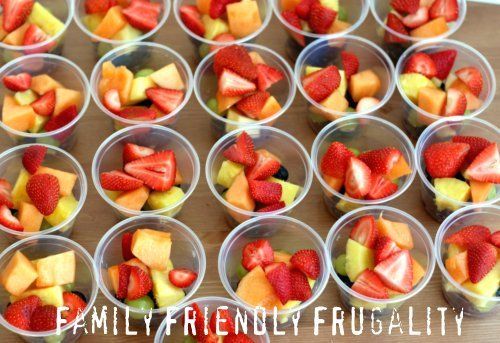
<point>451,194</point>
<point>326,52</point>
<point>476,299</point>
<point>416,119</point>
<point>353,260</point>
<point>287,236</point>
<point>187,252</point>
<point>362,133</point>
<point>85,283</point>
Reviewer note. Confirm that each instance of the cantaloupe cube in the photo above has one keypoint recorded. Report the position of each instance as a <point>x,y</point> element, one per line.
<point>480,191</point>
<point>20,118</point>
<point>43,83</point>
<point>256,57</point>
<point>271,107</point>
<point>133,200</point>
<point>65,98</point>
<point>473,102</point>
<point>168,77</point>
<point>431,100</point>
<point>3,33</point>
<point>119,78</point>
<point>400,233</point>
<point>113,21</point>
<point>418,272</point>
<point>339,26</point>
<point>335,102</point>
<point>113,275</point>
<point>256,290</point>
<point>243,17</point>
<point>239,193</point>
<point>430,29</point>
<point>66,180</point>
<point>152,247</point>
<point>55,270</point>
<point>225,102</point>
<point>203,6</point>
<point>401,168</point>
<point>457,267</point>
<point>16,37</point>
<point>335,182</point>
<point>30,218</point>
<point>364,84</point>
<point>19,274</point>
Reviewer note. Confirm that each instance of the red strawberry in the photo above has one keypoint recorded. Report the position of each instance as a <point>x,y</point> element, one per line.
<point>123,279</point>
<point>419,18</point>
<point>381,161</point>
<point>227,326</point>
<point>76,306</point>
<point>252,105</point>
<point>394,23</point>
<point>381,188</point>
<point>98,6</point>
<point>44,318</point>
<point>456,103</point>
<point>421,63</point>
<point>5,193</point>
<point>236,59</point>
<point>17,83</point>
<point>444,61</point>
<point>293,19</point>
<point>139,113</point>
<point>8,220</point>
<point>307,261</point>
<point>111,100</point>
<point>365,231</point>
<point>19,313</point>
<point>320,84</point>
<point>301,290</point>
<point>384,247</point>
<point>267,76</point>
<point>265,166</point>
<point>369,284</point>
<point>350,63</point>
<point>142,15</point>
<point>469,236</point>
<point>45,105</point>
<point>182,277</point>
<point>335,160</point>
<point>199,325</point>
<point>222,38</point>
<point>167,100</point>
<point>280,278</point>
<point>273,207</point>
<point>15,13</point>
<point>231,84</point>
<point>476,144</point>
<point>133,152</point>
<point>257,253</point>
<point>444,159</point>
<point>218,7</point>
<point>127,246</point>
<point>405,6</point>
<point>495,239</point>
<point>157,171</point>
<point>444,8</point>
<point>396,271</point>
<point>265,192</point>
<point>303,9</point>
<point>191,17</point>
<point>472,77</point>
<point>321,18</point>
<point>117,180</point>
<point>139,283</point>
<point>62,119</point>
<point>43,190</point>
<point>35,35</point>
<point>481,258</point>
<point>237,338</point>
<point>33,157</point>
<point>357,178</point>
<point>242,151</point>
<point>486,166</point>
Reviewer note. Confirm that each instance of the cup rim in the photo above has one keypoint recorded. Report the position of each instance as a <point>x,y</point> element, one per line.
<point>243,227</point>
<point>438,241</point>
<point>179,59</point>
<point>82,111</point>
<point>105,240</point>
<point>161,22</point>
<point>82,178</point>
<point>402,136</point>
<point>292,89</point>
<point>93,296</point>
<point>369,45</point>
<point>402,60</point>
<point>338,225</point>
<point>235,133</point>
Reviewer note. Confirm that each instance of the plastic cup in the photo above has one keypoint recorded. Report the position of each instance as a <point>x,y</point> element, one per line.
<point>187,252</point>
<point>211,304</point>
<point>62,70</point>
<point>11,165</point>
<point>284,233</point>
<point>363,133</point>
<point>438,205</point>
<point>205,88</point>
<point>356,12</point>
<point>381,8</point>
<point>85,282</point>
<point>137,56</point>
<point>456,294</point>
<point>103,45</point>
<point>415,119</point>
<point>108,157</point>
<point>289,150</point>
<point>422,252</point>
<point>325,52</point>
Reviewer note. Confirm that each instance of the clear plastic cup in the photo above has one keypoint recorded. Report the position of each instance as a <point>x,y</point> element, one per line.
<point>103,45</point>
<point>422,252</point>
<point>415,119</point>
<point>356,12</point>
<point>381,8</point>
<point>10,166</point>
<point>438,205</point>
<point>325,52</point>
<point>63,10</point>
<point>363,133</point>
<point>137,56</point>
<point>108,157</point>
<point>62,70</point>
<point>457,295</point>
<point>288,149</point>
<point>284,233</point>
<point>85,283</point>
<point>187,252</point>
<point>211,304</point>
<point>205,88</point>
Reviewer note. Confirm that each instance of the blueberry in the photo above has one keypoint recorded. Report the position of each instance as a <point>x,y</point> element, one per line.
<point>84,298</point>
<point>345,280</point>
<point>498,292</point>
<point>281,174</point>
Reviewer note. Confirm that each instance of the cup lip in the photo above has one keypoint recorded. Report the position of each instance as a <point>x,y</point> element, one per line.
<point>362,17</point>
<point>82,178</point>
<point>94,37</point>
<point>428,43</point>
<point>86,256</point>
<point>403,137</point>
<point>418,155</point>
<point>269,13</point>
<point>165,130</point>
<point>240,229</point>
<point>369,45</point>
<point>462,4</point>
<point>438,242</point>
<point>235,133</point>
<point>292,89</point>
<point>120,49</point>
<point>82,111</point>
<point>421,285</point>
<point>106,239</point>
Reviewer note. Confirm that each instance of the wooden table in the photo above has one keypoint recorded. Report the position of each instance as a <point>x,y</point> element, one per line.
<point>203,213</point>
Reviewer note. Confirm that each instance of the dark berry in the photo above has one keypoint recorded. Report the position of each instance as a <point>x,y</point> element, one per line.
<point>281,174</point>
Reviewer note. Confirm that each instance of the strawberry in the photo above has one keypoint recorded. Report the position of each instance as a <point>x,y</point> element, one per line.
<point>127,246</point>
<point>138,113</point>
<point>98,6</point>
<point>456,103</point>
<point>8,220</point>
<point>265,166</point>
<point>267,76</point>
<point>236,59</point>
<point>43,190</point>
<point>191,17</point>
<point>495,239</point>
<point>167,100</point>
<point>273,207</point>
<point>293,19</point>
<point>45,105</point>
<point>222,38</point>
<point>301,290</point>
<point>111,100</point>
<point>444,8</point>
<point>242,151</point>
<point>320,84</point>
<point>365,231</point>
<point>396,271</point>
<point>335,160</point>
<point>132,152</point>
<point>227,326</point>
<point>252,105</point>
<point>381,188</point>
<point>117,180</point>
<point>139,283</point>
<point>218,7</point>
<point>384,247</point>
<point>44,318</point>
<point>257,253</point>
<point>62,119</point>
<point>15,13</point>
<point>123,280</point>
<point>33,157</point>
<point>472,77</point>
<point>76,306</point>
<point>35,35</point>
<point>369,284</point>
<point>182,277</point>
<point>394,23</point>
<point>307,261</point>
<point>357,178</point>
<point>303,9</point>
<point>405,6</point>
<point>237,338</point>
<point>321,18</point>
<point>444,159</point>
<point>419,18</point>
<point>157,171</point>
<point>469,236</point>
<point>142,15</point>
<point>486,166</point>
<point>381,161</point>
<point>231,84</point>
<point>280,278</point>
<point>350,63</point>
<point>265,192</point>
<point>19,313</point>
<point>481,258</point>
<point>444,61</point>
<point>421,63</point>
<point>5,193</point>
<point>476,144</point>
<point>17,83</point>
<point>199,322</point>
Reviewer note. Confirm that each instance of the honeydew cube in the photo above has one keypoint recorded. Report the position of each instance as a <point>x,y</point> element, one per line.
<point>26,97</point>
<point>158,200</point>
<point>228,172</point>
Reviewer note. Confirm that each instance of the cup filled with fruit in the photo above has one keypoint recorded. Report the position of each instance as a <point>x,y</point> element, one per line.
<point>258,171</point>
<point>111,23</point>
<point>466,249</point>
<point>343,76</point>
<point>381,257</point>
<point>360,161</point>
<point>40,274</point>
<point>406,22</point>
<point>442,79</point>
<point>149,263</point>
<point>459,165</point>
<point>274,262</point>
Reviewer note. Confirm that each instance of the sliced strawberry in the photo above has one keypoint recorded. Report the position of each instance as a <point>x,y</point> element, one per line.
<point>19,313</point>
<point>237,338</point>
<point>142,15</point>
<point>35,35</point>
<point>350,63</point>
<point>242,151</point>
<point>6,193</point>
<point>139,113</point>
<point>419,18</point>
<point>384,247</point>
<point>33,157</point>
<point>76,306</point>
<point>8,220</point>
<point>167,100</point>
<point>321,18</point>
<point>280,278</point>
<point>307,261</point>
<point>365,231</point>
<point>236,59</point>
<point>43,190</point>
<point>357,178</point>
<point>231,84</point>
<point>127,246</point>
<point>265,166</point>
<point>369,284</point>
<point>303,9</point>
<point>17,83</point>
<point>117,180</point>
<point>191,17</point>
<point>405,6</point>
<point>123,279</point>
<point>157,171</point>
<point>293,19</point>
<point>456,103</point>
<point>320,84</point>
<point>476,144</point>
<point>222,38</point>
<point>444,8</point>
<point>111,100</point>
<point>472,77</point>
<point>218,7</point>
<point>199,325</point>
<point>132,152</point>
<point>444,159</point>
<point>182,277</point>
<point>226,323</point>
<point>273,207</point>
<point>381,161</point>
<point>396,271</point>
<point>421,63</point>
<point>481,258</point>
<point>335,160</point>
<point>469,236</point>
<point>62,119</point>
<point>15,13</point>
<point>44,318</point>
<point>495,239</point>
<point>45,105</point>
<point>139,283</point>
<point>252,105</point>
<point>381,188</point>
<point>444,61</point>
<point>98,6</point>
<point>257,253</point>
<point>301,290</point>
<point>486,166</point>
<point>265,192</point>
<point>267,76</point>
<point>394,23</point>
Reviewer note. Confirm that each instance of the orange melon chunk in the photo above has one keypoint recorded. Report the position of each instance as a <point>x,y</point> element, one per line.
<point>113,275</point>
<point>203,6</point>
<point>152,247</point>
<point>65,98</point>
<point>133,200</point>
<point>113,21</point>
<point>30,218</point>
<point>334,182</point>
<point>418,272</point>
<point>225,102</point>
<point>430,29</point>
<point>473,102</point>
<point>432,100</point>
<point>401,168</point>
<point>400,233</point>
<point>364,84</point>
<point>457,267</point>
<point>119,78</point>
<point>16,37</point>
<point>271,107</point>
<point>20,118</point>
<point>239,193</point>
<point>66,180</point>
<point>56,270</point>
<point>335,102</point>
<point>243,18</point>
<point>18,275</point>
<point>255,289</point>
<point>480,190</point>
<point>43,83</point>
<point>289,4</point>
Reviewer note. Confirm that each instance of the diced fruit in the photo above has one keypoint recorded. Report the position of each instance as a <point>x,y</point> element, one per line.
<point>19,191</point>
<point>447,9</point>
<point>48,295</point>
<point>182,277</point>
<point>66,98</point>
<point>271,107</point>
<point>5,193</point>
<point>339,265</point>
<point>20,118</point>
<point>231,84</point>
<point>45,20</point>
<point>370,285</point>
<point>164,292</point>
<point>444,61</point>
<point>223,103</point>
<point>321,18</point>
<point>15,13</point>
<point>41,84</point>
<point>364,84</point>
<point>45,105</point>
<point>112,23</point>
<point>468,236</point>
<point>265,192</point>
<point>480,191</point>
<point>119,181</point>
<point>457,267</point>
<point>16,37</point>
<point>307,261</point>
<point>444,159</point>
<point>481,259</point>
<point>132,152</point>
<point>226,326</point>
<point>168,77</point>
<point>335,102</point>
<point>143,15</point>
<point>453,250</point>
<point>243,18</point>
<point>289,190</point>
<point>159,200</point>
<point>266,165</point>
<point>367,103</point>
<point>301,287</point>
<point>19,313</point>
<point>119,78</point>
<point>44,318</point>
<point>128,33</point>
<point>381,161</point>
<point>139,285</point>
<point>282,256</point>
<point>228,172</point>
<point>420,17</point>
<point>472,77</point>
<point>255,289</point>
<point>400,233</point>
<point>66,180</point>
<point>25,98</point>
<point>214,27</point>
<point>43,190</point>
<point>365,231</point>
<point>18,274</point>
<point>33,157</point>
<point>384,247</point>
<point>253,104</point>
<point>280,278</point>
<point>486,166</point>
<point>412,83</point>
<point>456,103</point>
<point>477,145</point>
<point>257,253</point>
<point>358,259</point>
<point>157,171</point>
<point>64,209</point>
<point>293,19</point>
<point>473,102</point>
<point>236,59</point>
<point>17,83</point>
<point>320,84</point>
<point>239,193</point>
<point>267,76</point>
<point>396,272</point>
<point>452,188</point>
<point>405,6</point>
<point>75,304</point>
<point>433,28</point>
<point>334,162</point>
<point>432,100</point>
<point>137,92</point>
<point>29,217</point>
<point>54,270</point>
<point>418,272</point>
<point>133,200</point>
<point>357,178</point>
<point>152,247</point>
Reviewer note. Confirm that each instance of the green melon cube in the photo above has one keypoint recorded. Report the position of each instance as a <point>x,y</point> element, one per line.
<point>228,172</point>
<point>144,72</point>
<point>158,200</point>
<point>40,122</point>
<point>289,190</point>
<point>26,97</point>
<point>127,33</point>
<point>214,27</point>
<point>358,259</point>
